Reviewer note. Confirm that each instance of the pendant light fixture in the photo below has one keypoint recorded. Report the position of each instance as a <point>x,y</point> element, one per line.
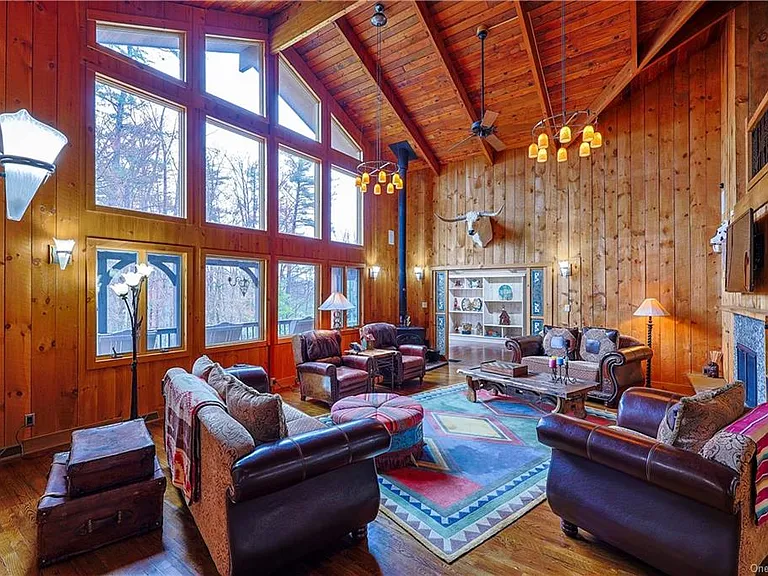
<point>383,173</point>
<point>563,124</point>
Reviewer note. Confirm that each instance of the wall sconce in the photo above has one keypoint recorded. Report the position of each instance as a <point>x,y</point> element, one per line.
<point>419,273</point>
<point>60,252</point>
<point>29,150</point>
<point>718,239</point>
<point>565,268</point>
<point>373,272</point>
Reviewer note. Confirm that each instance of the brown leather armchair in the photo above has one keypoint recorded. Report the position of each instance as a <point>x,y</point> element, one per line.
<point>672,508</point>
<point>411,360</point>
<point>323,372</point>
<point>616,372</point>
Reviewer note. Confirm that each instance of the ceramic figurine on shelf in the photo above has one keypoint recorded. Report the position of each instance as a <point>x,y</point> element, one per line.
<point>711,369</point>
<point>504,317</point>
<point>456,304</point>
<point>479,329</point>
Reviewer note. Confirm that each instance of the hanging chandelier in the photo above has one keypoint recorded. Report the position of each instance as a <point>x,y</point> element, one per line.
<point>565,123</point>
<point>382,174</point>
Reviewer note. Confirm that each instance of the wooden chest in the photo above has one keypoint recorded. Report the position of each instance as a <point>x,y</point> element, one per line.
<point>68,526</point>
<point>109,456</point>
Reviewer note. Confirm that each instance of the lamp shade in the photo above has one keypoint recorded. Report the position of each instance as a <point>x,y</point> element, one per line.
<point>26,138</point>
<point>651,307</point>
<point>63,250</point>
<point>336,301</point>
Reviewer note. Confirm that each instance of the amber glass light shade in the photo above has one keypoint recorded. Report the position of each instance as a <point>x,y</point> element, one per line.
<point>565,135</point>
<point>588,134</point>
<point>363,188</point>
<point>382,177</point>
<point>584,150</point>
<point>597,140</point>
<point>358,181</point>
<point>543,140</point>
<point>533,150</point>
<point>398,182</point>
<point>390,188</point>
<point>377,189</point>
<point>366,178</point>
<point>542,155</point>
<point>562,154</point>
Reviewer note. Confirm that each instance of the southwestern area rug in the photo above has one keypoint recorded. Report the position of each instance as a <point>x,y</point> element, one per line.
<point>481,470</point>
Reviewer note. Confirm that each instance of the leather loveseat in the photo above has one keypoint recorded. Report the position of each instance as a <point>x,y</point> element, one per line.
<point>673,508</point>
<point>411,359</point>
<point>615,370</point>
<point>263,506</point>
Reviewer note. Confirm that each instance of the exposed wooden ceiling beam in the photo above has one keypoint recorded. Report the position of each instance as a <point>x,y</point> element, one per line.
<point>532,49</point>
<point>444,59</point>
<point>671,26</point>
<point>633,32</point>
<point>301,19</point>
<point>369,65</point>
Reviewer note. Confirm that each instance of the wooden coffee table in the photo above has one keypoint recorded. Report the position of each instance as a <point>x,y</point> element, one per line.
<point>383,365</point>
<point>570,397</point>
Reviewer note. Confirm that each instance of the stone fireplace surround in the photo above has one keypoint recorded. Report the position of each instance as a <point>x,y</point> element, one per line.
<point>749,357</point>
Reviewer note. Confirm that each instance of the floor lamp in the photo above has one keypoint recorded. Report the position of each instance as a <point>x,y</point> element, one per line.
<point>650,307</point>
<point>336,303</point>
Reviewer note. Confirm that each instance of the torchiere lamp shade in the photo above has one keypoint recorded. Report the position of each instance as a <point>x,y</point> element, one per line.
<point>651,307</point>
<point>336,301</point>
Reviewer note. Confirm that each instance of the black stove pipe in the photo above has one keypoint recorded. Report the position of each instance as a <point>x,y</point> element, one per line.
<point>404,154</point>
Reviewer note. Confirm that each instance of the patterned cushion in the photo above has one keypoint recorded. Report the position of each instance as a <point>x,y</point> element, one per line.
<point>536,363</point>
<point>397,413</point>
<point>560,341</point>
<point>692,421</point>
<point>298,423</point>
<point>729,449</point>
<point>220,380</point>
<point>260,414</point>
<point>583,370</point>
<point>202,367</point>
<point>597,342</point>
<point>322,344</point>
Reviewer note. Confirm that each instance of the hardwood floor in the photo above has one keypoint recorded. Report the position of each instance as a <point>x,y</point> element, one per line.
<point>532,545</point>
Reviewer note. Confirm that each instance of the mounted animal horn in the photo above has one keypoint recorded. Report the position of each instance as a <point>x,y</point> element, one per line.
<point>493,214</point>
<point>454,219</point>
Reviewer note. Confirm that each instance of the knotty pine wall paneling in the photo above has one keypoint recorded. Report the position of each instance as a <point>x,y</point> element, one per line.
<point>634,220</point>
<point>47,67</point>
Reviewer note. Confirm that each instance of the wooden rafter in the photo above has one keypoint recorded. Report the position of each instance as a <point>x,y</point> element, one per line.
<point>646,55</point>
<point>302,19</point>
<point>369,65</point>
<point>529,42</point>
<point>444,59</point>
<point>633,32</point>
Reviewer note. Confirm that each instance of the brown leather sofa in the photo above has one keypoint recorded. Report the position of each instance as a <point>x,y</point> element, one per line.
<point>672,508</point>
<point>411,360</point>
<point>262,507</point>
<point>616,372</point>
<point>323,372</point>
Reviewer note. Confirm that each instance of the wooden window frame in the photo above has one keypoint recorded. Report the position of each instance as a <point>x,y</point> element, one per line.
<point>319,192</point>
<point>320,108</point>
<point>185,314</point>
<point>317,324</point>
<point>360,210</point>
<point>334,120</point>
<point>344,267</point>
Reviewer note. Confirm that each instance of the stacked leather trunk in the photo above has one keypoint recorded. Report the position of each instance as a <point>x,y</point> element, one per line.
<point>108,487</point>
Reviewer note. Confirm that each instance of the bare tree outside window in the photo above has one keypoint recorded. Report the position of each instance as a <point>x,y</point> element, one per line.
<point>297,299</point>
<point>138,152</point>
<point>234,177</point>
<point>233,300</point>
<point>298,209</point>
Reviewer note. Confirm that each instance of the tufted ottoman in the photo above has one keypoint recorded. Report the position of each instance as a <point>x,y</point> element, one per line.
<point>401,415</point>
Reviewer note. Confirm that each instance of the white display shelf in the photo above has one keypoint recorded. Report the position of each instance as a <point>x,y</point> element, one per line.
<point>467,312</point>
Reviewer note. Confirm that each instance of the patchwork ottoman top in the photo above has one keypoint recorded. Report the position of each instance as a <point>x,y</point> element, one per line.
<point>397,413</point>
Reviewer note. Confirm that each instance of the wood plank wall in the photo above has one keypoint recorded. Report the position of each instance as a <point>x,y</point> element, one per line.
<point>745,82</point>
<point>44,67</point>
<point>634,220</point>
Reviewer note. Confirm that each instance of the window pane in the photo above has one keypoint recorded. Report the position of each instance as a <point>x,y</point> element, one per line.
<point>233,300</point>
<point>234,177</point>
<point>346,208</point>
<point>158,49</point>
<point>233,71</point>
<point>298,107</point>
<point>138,145</point>
<point>113,328</point>
<point>343,142</point>
<point>298,197</point>
<point>337,279</point>
<point>353,295</point>
<point>297,301</point>
<point>164,306</point>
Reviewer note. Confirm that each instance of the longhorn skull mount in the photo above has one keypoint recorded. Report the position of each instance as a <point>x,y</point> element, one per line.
<point>478,225</point>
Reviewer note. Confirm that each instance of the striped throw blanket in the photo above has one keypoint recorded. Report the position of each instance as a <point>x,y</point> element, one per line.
<point>184,397</point>
<point>755,427</point>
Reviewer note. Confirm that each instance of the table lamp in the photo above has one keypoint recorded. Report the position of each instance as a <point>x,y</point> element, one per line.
<point>650,307</point>
<point>336,302</point>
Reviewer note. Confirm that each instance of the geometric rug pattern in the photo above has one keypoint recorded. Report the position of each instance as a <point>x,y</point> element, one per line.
<point>482,469</point>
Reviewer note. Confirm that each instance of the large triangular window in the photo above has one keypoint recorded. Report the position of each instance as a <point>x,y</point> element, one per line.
<point>298,106</point>
<point>343,142</point>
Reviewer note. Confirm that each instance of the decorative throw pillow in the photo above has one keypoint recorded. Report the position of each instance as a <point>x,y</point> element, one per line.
<point>202,367</point>
<point>560,341</point>
<point>597,342</point>
<point>730,449</point>
<point>220,380</point>
<point>692,421</point>
<point>261,414</point>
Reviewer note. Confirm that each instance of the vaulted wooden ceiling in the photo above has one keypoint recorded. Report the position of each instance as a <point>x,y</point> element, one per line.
<point>431,60</point>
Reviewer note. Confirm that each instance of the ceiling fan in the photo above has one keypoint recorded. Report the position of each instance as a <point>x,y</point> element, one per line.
<point>483,128</point>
